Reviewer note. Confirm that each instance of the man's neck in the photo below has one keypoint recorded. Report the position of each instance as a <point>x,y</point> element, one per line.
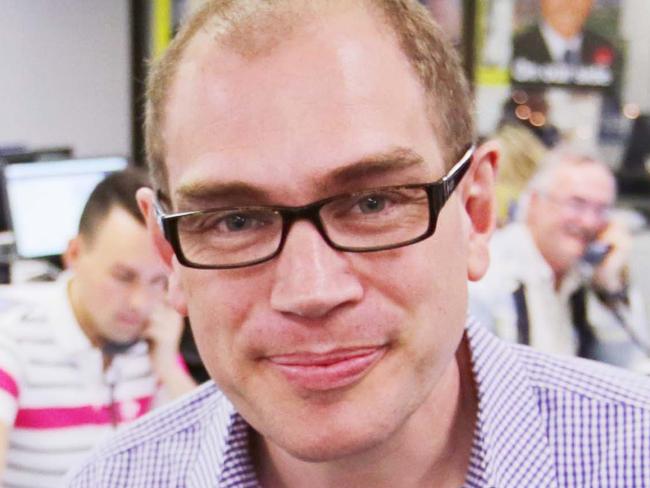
<point>432,448</point>
<point>557,42</point>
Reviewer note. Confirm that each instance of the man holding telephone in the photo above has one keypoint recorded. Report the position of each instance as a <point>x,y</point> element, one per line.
<point>91,351</point>
<point>558,280</point>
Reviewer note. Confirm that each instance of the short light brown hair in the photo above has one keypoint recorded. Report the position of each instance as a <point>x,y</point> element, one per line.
<point>238,23</point>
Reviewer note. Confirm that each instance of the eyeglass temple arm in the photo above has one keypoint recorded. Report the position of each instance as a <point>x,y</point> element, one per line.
<point>451,180</point>
<point>160,213</point>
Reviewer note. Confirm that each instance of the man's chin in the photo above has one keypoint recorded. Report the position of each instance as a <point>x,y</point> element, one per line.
<point>327,432</point>
<point>574,245</point>
<point>329,446</point>
<point>122,341</point>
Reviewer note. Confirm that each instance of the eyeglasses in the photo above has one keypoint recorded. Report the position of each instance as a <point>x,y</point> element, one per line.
<point>579,206</point>
<point>367,221</point>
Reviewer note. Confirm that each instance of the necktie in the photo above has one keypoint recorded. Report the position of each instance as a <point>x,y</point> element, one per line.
<point>571,56</point>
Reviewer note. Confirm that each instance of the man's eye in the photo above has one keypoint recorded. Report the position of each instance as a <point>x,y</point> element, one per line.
<point>123,276</point>
<point>225,222</point>
<point>159,282</point>
<point>237,222</point>
<point>242,221</point>
<point>372,203</point>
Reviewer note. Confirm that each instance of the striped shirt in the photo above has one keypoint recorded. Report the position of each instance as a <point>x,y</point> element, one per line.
<point>55,397</point>
<point>543,421</point>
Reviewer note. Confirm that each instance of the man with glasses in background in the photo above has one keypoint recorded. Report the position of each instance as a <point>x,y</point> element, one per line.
<point>320,208</point>
<point>559,278</point>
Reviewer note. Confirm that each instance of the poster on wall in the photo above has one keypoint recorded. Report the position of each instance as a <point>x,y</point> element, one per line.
<point>566,43</point>
<point>179,11</point>
<point>553,65</point>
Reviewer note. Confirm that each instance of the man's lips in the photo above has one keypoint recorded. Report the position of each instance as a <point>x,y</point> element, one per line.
<point>585,235</point>
<point>328,371</point>
<point>130,319</point>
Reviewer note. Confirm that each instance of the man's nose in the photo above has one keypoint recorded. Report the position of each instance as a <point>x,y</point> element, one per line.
<point>311,278</point>
<point>141,297</point>
<point>592,220</point>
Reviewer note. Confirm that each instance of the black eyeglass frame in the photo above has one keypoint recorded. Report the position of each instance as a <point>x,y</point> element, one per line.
<point>438,193</point>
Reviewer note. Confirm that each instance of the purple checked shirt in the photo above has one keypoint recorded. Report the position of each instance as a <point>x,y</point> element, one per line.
<point>543,421</point>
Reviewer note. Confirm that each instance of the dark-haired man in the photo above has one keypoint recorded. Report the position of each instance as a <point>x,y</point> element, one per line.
<point>320,207</point>
<point>73,362</point>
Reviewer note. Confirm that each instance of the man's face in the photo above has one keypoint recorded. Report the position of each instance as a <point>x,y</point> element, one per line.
<point>118,278</point>
<point>325,353</point>
<point>565,218</point>
<point>566,17</point>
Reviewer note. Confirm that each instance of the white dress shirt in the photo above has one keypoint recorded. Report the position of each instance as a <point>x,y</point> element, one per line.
<point>516,261</point>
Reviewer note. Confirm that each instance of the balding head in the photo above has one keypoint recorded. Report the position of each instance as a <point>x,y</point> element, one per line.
<point>251,28</point>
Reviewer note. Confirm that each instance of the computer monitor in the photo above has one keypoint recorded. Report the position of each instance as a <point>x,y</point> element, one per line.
<point>30,156</point>
<point>44,200</point>
<point>17,154</point>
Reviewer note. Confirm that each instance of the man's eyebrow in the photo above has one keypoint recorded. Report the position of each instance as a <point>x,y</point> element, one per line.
<point>203,194</point>
<point>378,164</point>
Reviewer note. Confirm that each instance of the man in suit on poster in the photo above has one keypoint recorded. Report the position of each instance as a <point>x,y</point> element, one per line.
<point>558,49</point>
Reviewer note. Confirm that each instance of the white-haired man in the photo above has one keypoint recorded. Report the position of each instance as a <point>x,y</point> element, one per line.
<point>558,280</point>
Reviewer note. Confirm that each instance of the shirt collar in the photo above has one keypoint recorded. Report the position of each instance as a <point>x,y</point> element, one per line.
<point>517,241</point>
<point>557,44</point>
<point>536,269</point>
<point>510,443</point>
<point>231,447</point>
<point>510,446</point>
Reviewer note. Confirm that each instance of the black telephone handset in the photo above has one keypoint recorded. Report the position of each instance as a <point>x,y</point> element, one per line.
<point>596,252</point>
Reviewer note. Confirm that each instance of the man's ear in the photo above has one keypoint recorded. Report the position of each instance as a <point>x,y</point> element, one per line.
<point>175,293</point>
<point>72,252</point>
<point>480,206</point>
<point>145,198</point>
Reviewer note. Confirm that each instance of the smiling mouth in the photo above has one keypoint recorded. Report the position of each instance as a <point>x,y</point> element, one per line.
<point>330,371</point>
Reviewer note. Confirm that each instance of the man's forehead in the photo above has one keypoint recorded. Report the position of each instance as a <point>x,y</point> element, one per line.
<point>330,95</point>
<point>576,169</point>
<point>257,30</point>
<point>586,178</point>
<point>566,6</point>
<point>214,52</point>
<point>116,224</point>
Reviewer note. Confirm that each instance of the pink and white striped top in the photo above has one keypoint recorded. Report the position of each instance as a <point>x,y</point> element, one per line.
<point>55,397</point>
